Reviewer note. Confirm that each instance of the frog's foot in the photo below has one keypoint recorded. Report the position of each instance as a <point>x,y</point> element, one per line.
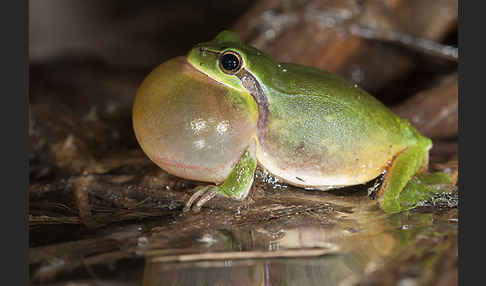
<point>202,196</point>
<point>236,186</point>
<point>426,189</point>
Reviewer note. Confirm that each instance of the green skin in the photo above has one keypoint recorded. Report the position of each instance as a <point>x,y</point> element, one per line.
<point>315,130</point>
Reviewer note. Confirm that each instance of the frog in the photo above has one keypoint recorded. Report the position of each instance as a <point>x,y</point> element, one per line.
<point>227,108</point>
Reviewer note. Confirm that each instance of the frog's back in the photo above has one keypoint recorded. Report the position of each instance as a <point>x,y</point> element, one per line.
<point>323,131</point>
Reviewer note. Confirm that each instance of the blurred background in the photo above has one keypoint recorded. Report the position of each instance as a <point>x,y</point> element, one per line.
<point>87,59</point>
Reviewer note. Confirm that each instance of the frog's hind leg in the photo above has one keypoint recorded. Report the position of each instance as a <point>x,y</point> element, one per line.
<point>406,164</point>
<point>236,186</point>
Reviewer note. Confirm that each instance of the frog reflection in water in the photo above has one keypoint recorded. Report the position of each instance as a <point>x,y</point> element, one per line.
<point>216,114</point>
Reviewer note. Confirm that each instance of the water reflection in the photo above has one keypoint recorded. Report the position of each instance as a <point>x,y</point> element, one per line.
<point>349,255</point>
<point>326,270</point>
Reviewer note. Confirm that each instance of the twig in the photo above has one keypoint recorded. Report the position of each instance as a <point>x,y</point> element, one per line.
<point>420,44</point>
<point>241,255</point>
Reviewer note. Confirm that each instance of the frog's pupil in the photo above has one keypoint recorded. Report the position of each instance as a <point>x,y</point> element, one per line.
<point>229,62</point>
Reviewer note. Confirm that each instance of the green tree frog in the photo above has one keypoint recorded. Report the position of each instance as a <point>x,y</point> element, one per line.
<point>226,107</point>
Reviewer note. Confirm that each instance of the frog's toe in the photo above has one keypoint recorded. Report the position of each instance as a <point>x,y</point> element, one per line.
<point>199,198</point>
<point>194,197</point>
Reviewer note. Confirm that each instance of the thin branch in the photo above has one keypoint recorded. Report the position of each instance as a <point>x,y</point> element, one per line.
<point>420,44</point>
<point>242,255</point>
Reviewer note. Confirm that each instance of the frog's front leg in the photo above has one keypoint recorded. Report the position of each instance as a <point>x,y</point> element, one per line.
<point>236,186</point>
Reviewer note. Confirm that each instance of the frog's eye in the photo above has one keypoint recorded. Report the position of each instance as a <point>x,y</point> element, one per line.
<point>230,62</point>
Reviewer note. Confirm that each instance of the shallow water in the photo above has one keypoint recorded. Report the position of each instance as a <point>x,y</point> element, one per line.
<point>319,239</point>
<point>280,236</point>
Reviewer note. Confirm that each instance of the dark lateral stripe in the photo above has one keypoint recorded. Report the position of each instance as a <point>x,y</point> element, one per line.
<point>253,87</point>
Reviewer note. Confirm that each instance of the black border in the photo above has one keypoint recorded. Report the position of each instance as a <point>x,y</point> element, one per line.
<point>471,134</point>
<point>14,161</point>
